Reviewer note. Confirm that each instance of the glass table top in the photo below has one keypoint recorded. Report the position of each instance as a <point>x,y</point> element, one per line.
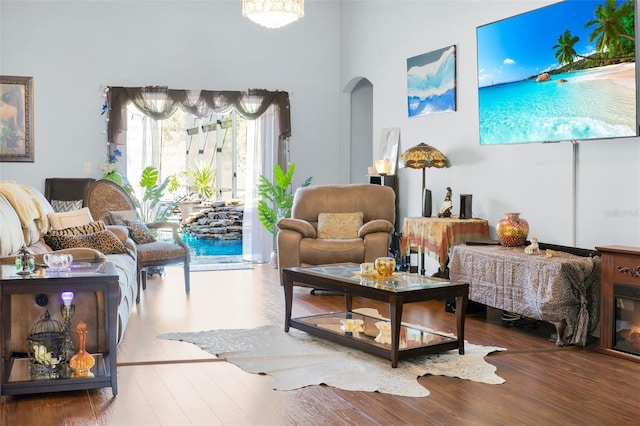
<point>398,282</point>
<point>76,269</point>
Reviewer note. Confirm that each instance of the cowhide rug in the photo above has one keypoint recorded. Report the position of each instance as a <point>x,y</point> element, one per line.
<point>296,360</point>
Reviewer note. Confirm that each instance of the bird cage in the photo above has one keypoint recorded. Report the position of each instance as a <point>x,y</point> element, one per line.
<point>44,341</point>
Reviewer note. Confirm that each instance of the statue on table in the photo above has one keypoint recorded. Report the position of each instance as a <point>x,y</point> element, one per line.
<point>447,205</point>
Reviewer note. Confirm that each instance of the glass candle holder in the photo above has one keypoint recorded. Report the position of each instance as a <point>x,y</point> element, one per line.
<point>385,266</point>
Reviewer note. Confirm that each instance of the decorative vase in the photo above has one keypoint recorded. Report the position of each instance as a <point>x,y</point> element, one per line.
<point>273,259</point>
<point>512,230</point>
<point>82,362</point>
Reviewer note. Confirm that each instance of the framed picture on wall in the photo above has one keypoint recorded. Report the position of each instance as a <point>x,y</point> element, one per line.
<point>16,119</point>
<point>431,82</point>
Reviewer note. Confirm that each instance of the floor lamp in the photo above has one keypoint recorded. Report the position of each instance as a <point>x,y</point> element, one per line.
<point>422,156</point>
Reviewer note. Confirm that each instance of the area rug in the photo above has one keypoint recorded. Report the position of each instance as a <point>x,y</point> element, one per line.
<point>296,360</point>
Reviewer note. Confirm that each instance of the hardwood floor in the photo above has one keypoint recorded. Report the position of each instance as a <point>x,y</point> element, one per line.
<point>163,382</point>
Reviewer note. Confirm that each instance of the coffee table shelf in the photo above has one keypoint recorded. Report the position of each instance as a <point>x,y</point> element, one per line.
<point>413,340</point>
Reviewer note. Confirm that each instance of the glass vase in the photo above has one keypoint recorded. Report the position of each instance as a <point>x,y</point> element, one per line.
<point>82,362</point>
<point>512,230</point>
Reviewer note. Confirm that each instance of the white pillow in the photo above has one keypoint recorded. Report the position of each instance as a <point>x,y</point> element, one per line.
<point>70,219</point>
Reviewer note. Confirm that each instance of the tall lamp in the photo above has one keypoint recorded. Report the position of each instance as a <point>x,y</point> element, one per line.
<point>422,156</point>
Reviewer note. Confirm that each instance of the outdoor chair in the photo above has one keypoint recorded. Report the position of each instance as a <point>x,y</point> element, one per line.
<point>109,202</point>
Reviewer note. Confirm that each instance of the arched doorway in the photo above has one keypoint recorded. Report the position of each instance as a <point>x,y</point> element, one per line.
<point>360,91</point>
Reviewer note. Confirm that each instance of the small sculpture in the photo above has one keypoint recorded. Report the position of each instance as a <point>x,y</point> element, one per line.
<point>25,262</point>
<point>384,332</point>
<point>447,205</point>
<point>532,248</point>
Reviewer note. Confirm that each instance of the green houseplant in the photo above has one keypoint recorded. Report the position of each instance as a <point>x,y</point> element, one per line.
<point>277,198</point>
<point>203,176</point>
<point>150,207</point>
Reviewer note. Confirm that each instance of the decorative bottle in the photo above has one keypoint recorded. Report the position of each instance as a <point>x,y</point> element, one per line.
<point>82,362</point>
<point>512,230</point>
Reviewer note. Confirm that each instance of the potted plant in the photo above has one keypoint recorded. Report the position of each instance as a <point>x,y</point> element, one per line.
<point>277,198</point>
<point>203,176</point>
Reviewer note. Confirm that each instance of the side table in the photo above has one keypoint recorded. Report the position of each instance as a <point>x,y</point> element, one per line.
<point>94,277</point>
<point>438,234</point>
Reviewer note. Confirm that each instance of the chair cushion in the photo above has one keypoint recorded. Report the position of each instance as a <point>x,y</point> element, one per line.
<point>69,219</point>
<point>104,241</point>
<point>339,226</point>
<point>159,252</point>
<point>319,252</point>
<point>139,232</point>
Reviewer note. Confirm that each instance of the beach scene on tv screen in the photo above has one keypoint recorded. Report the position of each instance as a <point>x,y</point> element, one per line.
<point>564,72</point>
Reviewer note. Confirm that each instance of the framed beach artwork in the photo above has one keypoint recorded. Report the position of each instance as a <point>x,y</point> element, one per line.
<point>431,82</point>
<point>574,81</point>
<point>16,119</point>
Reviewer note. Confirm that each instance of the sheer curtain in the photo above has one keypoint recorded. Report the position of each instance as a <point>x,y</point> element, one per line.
<point>264,150</point>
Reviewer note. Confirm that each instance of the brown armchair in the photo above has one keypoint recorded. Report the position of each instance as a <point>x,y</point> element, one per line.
<point>104,197</point>
<point>319,232</point>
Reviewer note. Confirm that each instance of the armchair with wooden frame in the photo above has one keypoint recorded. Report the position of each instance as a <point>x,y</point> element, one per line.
<point>104,197</point>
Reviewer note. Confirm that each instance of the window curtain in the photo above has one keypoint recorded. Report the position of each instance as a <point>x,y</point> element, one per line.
<point>160,102</point>
<point>264,150</point>
<point>267,138</point>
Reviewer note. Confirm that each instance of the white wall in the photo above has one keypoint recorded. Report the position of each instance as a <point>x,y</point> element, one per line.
<point>73,47</point>
<point>534,179</point>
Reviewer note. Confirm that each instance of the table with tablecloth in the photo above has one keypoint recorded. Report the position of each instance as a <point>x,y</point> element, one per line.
<point>562,289</point>
<point>436,235</point>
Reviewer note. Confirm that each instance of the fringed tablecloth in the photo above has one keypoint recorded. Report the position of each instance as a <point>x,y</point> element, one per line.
<point>552,289</point>
<point>436,235</point>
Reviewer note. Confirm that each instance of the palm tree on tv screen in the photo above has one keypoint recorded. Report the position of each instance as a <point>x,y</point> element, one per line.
<point>614,32</point>
<point>565,51</point>
<point>610,27</point>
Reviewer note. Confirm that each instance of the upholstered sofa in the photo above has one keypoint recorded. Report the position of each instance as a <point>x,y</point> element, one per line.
<point>336,224</point>
<point>24,215</point>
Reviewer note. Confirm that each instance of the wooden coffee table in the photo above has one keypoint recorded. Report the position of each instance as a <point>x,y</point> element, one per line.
<point>406,340</point>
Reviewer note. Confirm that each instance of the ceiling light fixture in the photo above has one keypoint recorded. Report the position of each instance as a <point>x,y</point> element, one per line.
<point>273,13</point>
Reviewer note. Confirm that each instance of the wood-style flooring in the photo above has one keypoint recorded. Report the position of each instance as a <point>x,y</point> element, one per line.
<point>163,382</point>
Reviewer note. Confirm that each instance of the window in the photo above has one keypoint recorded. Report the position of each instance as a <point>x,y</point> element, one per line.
<point>182,143</point>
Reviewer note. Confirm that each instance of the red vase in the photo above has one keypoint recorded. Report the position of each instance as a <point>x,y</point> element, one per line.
<point>512,230</point>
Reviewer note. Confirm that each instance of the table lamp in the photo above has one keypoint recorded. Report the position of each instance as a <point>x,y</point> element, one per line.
<point>422,156</point>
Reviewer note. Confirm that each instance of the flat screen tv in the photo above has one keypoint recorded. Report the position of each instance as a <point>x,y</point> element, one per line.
<point>564,72</point>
